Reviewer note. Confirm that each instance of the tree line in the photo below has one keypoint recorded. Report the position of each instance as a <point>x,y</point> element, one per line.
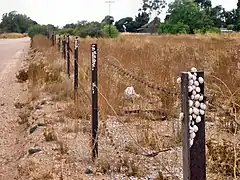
<point>183,16</point>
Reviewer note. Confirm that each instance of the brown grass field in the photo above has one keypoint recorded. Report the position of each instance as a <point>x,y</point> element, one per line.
<point>126,139</point>
<point>11,35</point>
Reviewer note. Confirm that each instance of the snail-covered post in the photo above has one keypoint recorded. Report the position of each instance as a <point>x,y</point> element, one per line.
<point>193,125</point>
<point>94,87</point>
<point>75,67</point>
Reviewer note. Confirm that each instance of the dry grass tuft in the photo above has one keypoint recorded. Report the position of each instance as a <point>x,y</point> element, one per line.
<point>12,35</point>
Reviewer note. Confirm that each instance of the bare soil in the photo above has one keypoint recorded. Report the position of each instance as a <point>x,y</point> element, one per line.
<point>12,137</point>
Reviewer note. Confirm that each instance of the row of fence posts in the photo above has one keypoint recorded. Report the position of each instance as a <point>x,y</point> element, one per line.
<point>66,49</point>
<point>194,158</point>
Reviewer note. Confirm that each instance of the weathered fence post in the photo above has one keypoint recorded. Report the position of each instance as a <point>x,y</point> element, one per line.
<point>94,87</point>
<point>48,33</point>
<point>52,38</point>
<point>64,47</point>
<point>59,43</point>
<point>68,55</point>
<point>55,38</point>
<point>75,67</point>
<point>193,125</point>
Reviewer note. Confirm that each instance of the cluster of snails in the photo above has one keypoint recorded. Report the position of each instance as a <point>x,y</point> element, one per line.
<point>197,106</point>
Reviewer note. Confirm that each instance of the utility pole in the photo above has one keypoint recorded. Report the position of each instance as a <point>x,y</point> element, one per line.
<point>109,2</point>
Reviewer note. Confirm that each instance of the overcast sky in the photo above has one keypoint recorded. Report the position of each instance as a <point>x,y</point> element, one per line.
<point>62,12</point>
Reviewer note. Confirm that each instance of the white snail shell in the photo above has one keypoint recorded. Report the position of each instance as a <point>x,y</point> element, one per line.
<point>193,69</point>
<point>203,106</point>
<point>194,92</point>
<point>190,102</point>
<point>195,128</point>
<point>201,80</point>
<point>201,112</point>
<point>197,104</point>
<point>194,116</point>
<point>192,135</point>
<point>196,83</point>
<point>194,77</point>
<point>201,98</point>
<point>190,83</point>
<point>181,116</point>
<point>190,110</point>
<point>189,75</point>
<point>191,129</point>
<point>197,96</point>
<point>190,142</point>
<point>179,80</point>
<point>190,88</point>
<point>198,119</point>
<point>192,97</point>
<point>190,118</point>
<point>198,89</point>
<point>196,111</point>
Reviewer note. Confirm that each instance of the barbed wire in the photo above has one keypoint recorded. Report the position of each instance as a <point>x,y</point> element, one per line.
<point>161,112</point>
<point>126,73</point>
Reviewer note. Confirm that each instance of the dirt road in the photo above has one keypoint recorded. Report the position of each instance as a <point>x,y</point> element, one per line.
<point>11,134</point>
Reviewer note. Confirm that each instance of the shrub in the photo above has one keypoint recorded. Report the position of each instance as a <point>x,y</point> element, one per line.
<point>111,31</point>
<point>92,29</point>
<point>81,31</point>
<point>66,31</point>
<point>178,28</point>
<point>213,30</point>
<point>37,30</point>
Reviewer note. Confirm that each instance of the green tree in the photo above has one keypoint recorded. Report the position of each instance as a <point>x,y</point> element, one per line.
<point>204,4</point>
<point>69,31</point>
<point>129,25</point>
<point>37,30</point>
<point>126,24</point>
<point>230,17</point>
<point>153,6</point>
<point>187,12</point>
<point>92,29</point>
<point>14,22</point>
<point>72,25</point>
<point>217,15</point>
<point>142,19</point>
<point>108,20</point>
<point>178,28</point>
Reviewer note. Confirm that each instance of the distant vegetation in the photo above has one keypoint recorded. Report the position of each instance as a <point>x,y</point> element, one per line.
<point>183,16</point>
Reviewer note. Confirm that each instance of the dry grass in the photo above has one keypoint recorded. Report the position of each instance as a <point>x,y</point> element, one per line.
<point>12,35</point>
<point>157,60</point>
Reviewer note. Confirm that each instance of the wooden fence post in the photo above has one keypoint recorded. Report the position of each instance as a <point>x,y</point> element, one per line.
<point>68,55</point>
<point>193,125</point>
<point>64,47</point>
<point>75,67</point>
<point>94,87</point>
<point>52,38</point>
<point>59,43</point>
